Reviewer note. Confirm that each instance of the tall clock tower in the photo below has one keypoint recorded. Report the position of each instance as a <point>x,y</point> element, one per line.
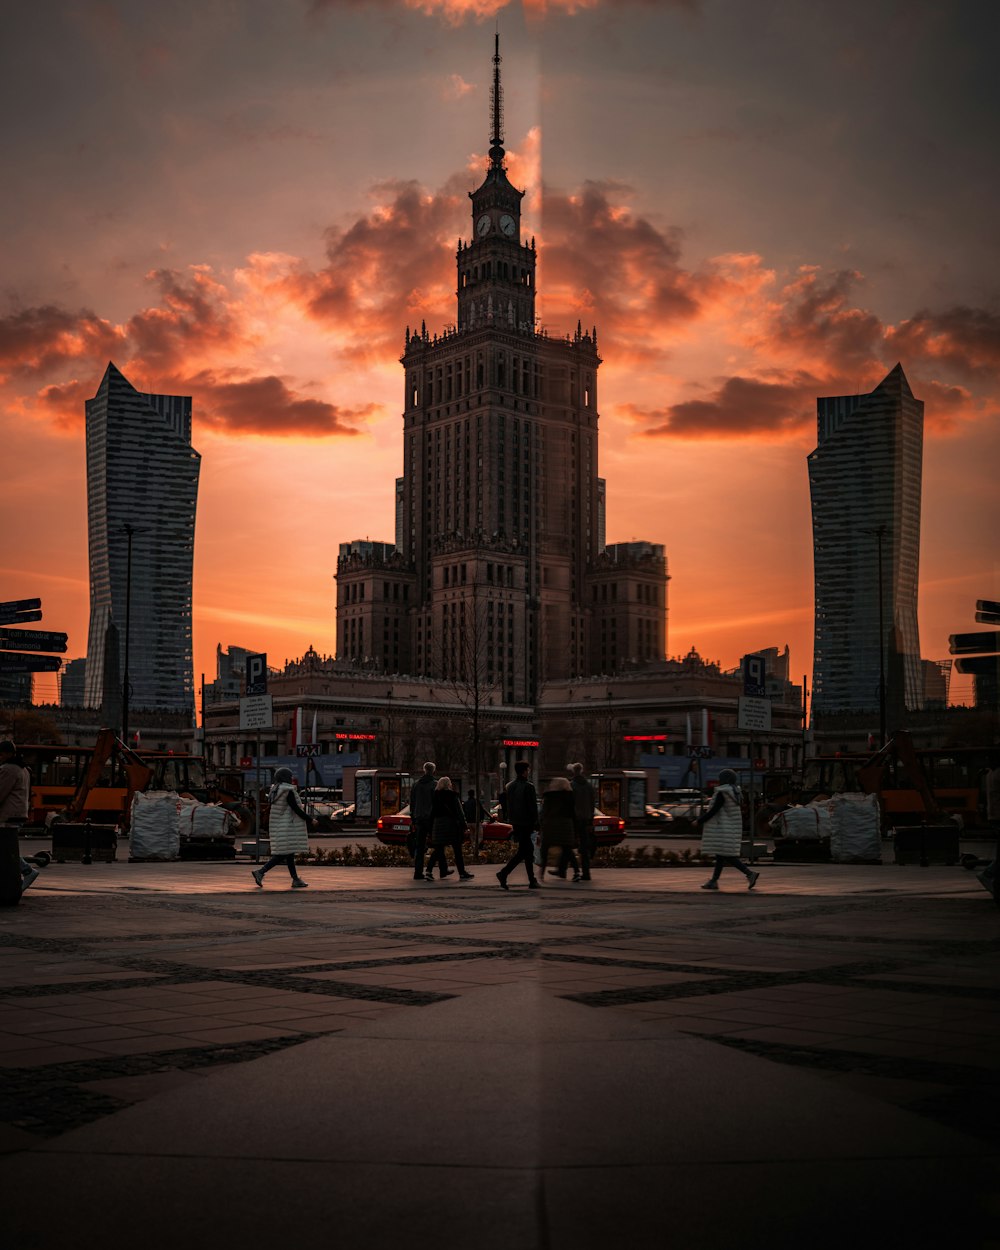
<point>499,575</point>
<point>496,271</point>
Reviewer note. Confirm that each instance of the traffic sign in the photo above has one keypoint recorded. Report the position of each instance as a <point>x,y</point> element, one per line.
<point>257,673</point>
<point>12,662</point>
<point>979,666</point>
<point>987,612</point>
<point>753,713</point>
<point>974,644</point>
<point>307,749</point>
<point>257,712</point>
<point>753,676</point>
<point>31,640</point>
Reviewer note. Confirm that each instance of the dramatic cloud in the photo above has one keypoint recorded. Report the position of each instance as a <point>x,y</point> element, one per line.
<point>394,265</point>
<point>195,340</point>
<point>603,262</point>
<point>780,341</point>
<point>35,341</point>
<point>454,12</point>
<point>266,406</point>
<point>965,339</point>
<point>740,407</point>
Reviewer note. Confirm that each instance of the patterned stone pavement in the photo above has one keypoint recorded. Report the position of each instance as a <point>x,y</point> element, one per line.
<point>119,982</point>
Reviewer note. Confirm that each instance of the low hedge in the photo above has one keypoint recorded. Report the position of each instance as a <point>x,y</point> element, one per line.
<point>621,856</point>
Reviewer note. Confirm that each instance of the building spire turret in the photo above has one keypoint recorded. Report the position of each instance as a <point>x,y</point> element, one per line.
<point>496,109</point>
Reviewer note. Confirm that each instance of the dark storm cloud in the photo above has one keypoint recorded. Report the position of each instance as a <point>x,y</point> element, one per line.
<point>34,341</point>
<point>266,406</point>
<point>393,264</point>
<point>745,407</point>
<point>967,339</point>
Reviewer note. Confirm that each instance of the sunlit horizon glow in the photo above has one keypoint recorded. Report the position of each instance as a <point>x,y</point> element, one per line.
<point>260,239</point>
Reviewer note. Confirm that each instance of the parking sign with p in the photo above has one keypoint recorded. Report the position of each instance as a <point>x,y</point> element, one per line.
<point>753,676</point>
<point>257,673</point>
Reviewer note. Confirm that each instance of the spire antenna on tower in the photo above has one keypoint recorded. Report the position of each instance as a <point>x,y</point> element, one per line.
<point>496,108</point>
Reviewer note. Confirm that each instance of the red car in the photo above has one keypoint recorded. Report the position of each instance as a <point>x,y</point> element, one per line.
<point>394,830</point>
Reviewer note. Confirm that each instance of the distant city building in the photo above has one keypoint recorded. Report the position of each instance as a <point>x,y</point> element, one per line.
<point>937,680</point>
<point>865,478</point>
<point>141,472</point>
<point>71,683</point>
<point>499,575</point>
<point>230,674</point>
<point>16,688</point>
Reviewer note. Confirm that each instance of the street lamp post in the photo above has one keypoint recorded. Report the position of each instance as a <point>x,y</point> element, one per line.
<point>878,532</point>
<point>129,531</point>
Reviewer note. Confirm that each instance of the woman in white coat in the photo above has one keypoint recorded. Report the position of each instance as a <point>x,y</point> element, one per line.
<point>288,829</point>
<point>722,830</point>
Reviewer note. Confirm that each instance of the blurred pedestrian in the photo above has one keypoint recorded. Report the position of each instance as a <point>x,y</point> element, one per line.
<point>420,819</point>
<point>15,798</point>
<point>474,810</point>
<point>519,805</point>
<point>448,828</point>
<point>584,803</point>
<point>722,826</point>
<point>557,819</point>
<point>288,829</point>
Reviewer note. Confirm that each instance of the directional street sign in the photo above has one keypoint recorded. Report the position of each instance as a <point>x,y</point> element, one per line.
<point>20,605</point>
<point>31,640</point>
<point>13,662</point>
<point>988,612</point>
<point>979,666</point>
<point>257,673</point>
<point>306,749</point>
<point>256,712</point>
<point>19,618</point>
<point>974,644</point>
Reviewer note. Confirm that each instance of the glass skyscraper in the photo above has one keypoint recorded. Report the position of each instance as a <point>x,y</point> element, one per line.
<point>865,480</point>
<point>142,472</point>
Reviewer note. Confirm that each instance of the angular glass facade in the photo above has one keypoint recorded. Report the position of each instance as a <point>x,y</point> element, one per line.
<point>142,472</point>
<point>865,479</point>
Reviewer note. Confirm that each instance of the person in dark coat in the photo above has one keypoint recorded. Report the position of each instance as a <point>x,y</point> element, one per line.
<point>448,828</point>
<point>520,807</point>
<point>420,819</point>
<point>557,818</point>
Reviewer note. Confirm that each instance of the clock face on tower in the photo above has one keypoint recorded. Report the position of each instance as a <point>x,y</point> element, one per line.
<point>483,224</point>
<point>508,225</point>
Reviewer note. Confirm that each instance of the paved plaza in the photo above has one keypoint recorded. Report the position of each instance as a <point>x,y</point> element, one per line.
<point>376,1061</point>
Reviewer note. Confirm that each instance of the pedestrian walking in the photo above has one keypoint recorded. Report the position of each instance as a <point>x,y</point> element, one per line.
<point>15,798</point>
<point>722,830</point>
<point>519,805</point>
<point>420,819</point>
<point>474,810</point>
<point>288,829</point>
<point>556,822</point>
<point>584,803</point>
<point>448,828</point>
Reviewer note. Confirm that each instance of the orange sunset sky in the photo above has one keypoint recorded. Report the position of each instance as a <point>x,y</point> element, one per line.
<point>755,201</point>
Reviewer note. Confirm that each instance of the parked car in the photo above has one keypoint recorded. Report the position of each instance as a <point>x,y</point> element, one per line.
<point>394,830</point>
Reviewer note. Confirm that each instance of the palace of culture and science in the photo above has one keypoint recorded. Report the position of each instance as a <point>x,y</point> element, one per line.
<point>499,560</point>
<point>499,591</point>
